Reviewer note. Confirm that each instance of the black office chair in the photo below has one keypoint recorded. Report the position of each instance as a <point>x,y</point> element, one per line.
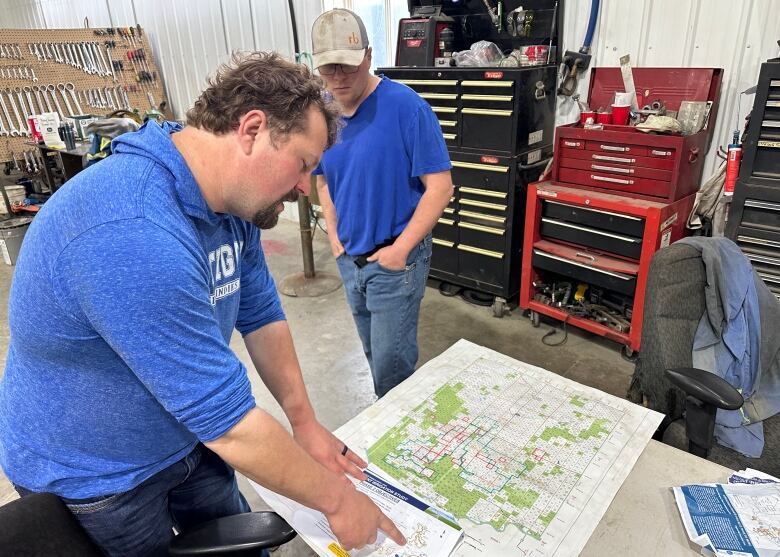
<point>40,525</point>
<point>664,379</point>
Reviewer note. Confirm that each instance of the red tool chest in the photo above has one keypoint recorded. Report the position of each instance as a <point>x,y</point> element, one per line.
<point>634,163</point>
<point>604,240</point>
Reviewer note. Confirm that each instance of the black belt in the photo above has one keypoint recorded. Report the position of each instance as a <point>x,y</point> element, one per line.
<point>362,259</point>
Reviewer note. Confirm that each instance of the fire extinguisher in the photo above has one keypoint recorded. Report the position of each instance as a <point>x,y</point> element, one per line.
<point>732,165</point>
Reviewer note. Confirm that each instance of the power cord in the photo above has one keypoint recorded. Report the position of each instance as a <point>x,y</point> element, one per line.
<point>553,332</point>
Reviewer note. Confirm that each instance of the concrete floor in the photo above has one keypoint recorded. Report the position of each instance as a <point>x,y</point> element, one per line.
<point>332,360</point>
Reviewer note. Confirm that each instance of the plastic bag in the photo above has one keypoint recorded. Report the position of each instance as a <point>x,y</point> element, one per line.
<point>481,53</point>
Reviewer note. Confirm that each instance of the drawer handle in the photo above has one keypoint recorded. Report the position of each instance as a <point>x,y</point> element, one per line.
<point>448,123</point>
<point>498,98</point>
<point>758,241</point>
<point>443,96</point>
<point>442,82</point>
<point>444,109</point>
<point>762,259</point>
<point>587,230</point>
<point>469,83</point>
<point>444,243</point>
<point>612,168</point>
<point>621,276</point>
<point>571,143</point>
<point>450,135</point>
<point>615,148</point>
<point>762,205</point>
<point>613,159</point>
<point>487,112</point>
<point>449,210</point>
<point>480,251</point>
<point>486,193</point>
<point>483,204</point>
<point>472,214</point>
<point>585,255</point>
<point>448,222</point>
<point>477,166</point>
<point>769,278</point>
<point>480,228</point>
<point>611,180</point>
<point>658,153</point>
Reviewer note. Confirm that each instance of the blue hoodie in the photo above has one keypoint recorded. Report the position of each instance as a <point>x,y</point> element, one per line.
<point>125,295</point>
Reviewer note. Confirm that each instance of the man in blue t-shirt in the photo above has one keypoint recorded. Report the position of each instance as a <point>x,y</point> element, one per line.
<point>382,187</point>
<point>121,394</point>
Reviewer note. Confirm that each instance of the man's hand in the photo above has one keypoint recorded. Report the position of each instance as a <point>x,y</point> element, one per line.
<point>355,521</point>
<point>326,448</point>
<point>335,245</point>
<point>392,258</point>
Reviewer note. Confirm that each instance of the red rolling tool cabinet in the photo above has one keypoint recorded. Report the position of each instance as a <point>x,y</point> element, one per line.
<point>602,240</point>
<point>616,197</point>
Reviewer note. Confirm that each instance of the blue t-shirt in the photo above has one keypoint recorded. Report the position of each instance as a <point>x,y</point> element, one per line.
<point>124,298</point>
<point>373,172</point>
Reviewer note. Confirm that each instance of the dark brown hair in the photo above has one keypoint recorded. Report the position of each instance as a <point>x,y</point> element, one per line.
<point>265,81</point>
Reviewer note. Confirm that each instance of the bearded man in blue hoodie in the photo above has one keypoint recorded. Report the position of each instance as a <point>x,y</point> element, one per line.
<point>121,394</point>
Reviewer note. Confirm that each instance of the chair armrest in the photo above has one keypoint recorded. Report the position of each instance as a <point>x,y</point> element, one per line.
<point>237,534</point>
<point>706,387</point>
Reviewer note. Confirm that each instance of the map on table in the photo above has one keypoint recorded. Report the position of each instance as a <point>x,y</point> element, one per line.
<point>525,460</point>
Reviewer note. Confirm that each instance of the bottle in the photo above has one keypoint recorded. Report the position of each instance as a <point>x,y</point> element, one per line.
<point>732,164</point>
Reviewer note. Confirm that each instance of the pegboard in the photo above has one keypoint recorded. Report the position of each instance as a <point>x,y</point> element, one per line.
<point>141,95</point>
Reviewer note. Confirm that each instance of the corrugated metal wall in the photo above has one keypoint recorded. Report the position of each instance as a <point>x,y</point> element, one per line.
<point>191,37</point>
<point>734,35</point>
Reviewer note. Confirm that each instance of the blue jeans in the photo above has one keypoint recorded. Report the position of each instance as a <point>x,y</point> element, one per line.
<point>386,306</point>
<point>198,488</point>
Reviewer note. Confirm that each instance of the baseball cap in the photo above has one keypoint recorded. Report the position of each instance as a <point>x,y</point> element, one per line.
<point>338,37</point>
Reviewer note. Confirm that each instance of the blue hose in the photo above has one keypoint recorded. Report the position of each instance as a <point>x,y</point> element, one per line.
<point>594,16</point>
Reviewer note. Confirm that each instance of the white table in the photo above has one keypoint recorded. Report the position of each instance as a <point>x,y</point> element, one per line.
<point>643,518</point>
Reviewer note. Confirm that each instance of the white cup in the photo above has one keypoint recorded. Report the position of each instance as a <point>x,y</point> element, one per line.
<point>622,99</point>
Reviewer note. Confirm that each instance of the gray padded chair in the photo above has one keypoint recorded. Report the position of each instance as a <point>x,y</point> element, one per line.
<point>674,304</point>
<point>40,525</point>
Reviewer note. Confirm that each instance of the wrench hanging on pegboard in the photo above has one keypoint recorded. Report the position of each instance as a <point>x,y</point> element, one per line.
<point>72,72</point>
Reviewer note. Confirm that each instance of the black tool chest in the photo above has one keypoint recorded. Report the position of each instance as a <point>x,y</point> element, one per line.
<point>754,217</point>
<point>498,124</point>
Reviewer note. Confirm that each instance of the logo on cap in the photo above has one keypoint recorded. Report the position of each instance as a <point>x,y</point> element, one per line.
<point>353,39</point>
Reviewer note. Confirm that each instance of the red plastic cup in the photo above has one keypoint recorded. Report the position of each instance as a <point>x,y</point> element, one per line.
<point>620,115</point>
<point>585,114</point>
<point>604,118</point>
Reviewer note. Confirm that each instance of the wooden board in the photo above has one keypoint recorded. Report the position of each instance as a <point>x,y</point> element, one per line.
<point>141,95</point>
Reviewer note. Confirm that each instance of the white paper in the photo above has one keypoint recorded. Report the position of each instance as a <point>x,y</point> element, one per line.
<point>527,461</point>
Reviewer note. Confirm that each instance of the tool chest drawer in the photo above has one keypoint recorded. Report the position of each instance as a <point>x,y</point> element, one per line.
<point>445,229</point>
<point>764,255</point>
<point>585,266</point>
<point>444,256</point>
<point>622,158</point>
<point>481,172</point>
<point>607,180</point>
<point>601,240</point>
<point>598,218</point>
<point>618,169</point>
<point>630,161</point>
<point>507,110</point>
<point>485,267</point>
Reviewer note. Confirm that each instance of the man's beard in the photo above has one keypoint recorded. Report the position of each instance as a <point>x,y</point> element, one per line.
<point>267,217</point>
